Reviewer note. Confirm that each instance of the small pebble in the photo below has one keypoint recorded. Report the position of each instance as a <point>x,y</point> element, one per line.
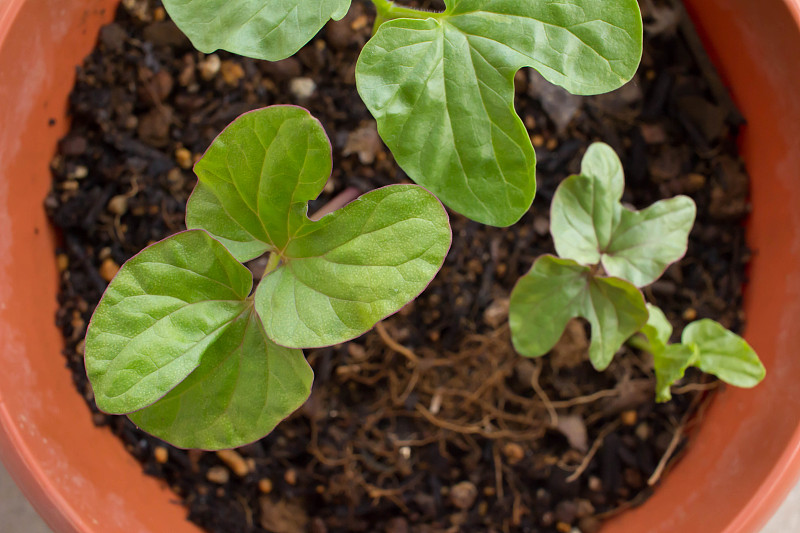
<point>290,477</point>
<point>265,485</point>
<point>232,72</point>
<point>209,67</point>
<point>108,269</point>
<point>689,314</point>
<point>62,261</point>
<point>463,495</point>
<point>79,173</point>
<point>695,182</point>
<point>118,205</point>
<point>161,454</point>
<point>302,88</point>
<point>218,474</point>
<point>234,461</point>
<point>183,158</point>
<point>514,453</point>
<point>629,418</point>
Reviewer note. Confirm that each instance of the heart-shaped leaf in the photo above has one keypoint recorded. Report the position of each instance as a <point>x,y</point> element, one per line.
<point>159,316</point>
<point>556,290</point>
<point>339,275</point>
<point>723,353</point>
<point>590,225</point>
<point>442,89</point>
<point>261,29</point>
<point>243,388</point>
<point>670,364</point>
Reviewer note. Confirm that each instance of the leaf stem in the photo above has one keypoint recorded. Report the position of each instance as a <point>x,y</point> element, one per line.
<point>388,10</point>
<point>272,263</point>
<point>640,343</point>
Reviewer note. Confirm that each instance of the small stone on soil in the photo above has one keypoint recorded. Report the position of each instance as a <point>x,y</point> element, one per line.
<point>463,495</point>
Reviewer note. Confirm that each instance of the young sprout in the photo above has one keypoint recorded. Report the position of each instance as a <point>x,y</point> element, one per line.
<point>180,343</point>
<point>607,252</point>
<point>441,84</point>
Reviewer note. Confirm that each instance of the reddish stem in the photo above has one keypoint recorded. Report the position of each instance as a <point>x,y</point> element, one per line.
<point>339,201</point>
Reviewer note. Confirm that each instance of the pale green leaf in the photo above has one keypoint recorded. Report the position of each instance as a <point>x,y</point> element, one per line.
<point>556,290</point>
<point>354,267</point>
<point>601,162</point>
<point>263,169</point>
<point>204,211</point>
<point>261,29</point>
<point>338,276</point>
<point>243,388</point>
<point>590,225</point>
<point>658,329</point>
<point>670,364</point>
<point>158,317</point>
<point>442,89</point>
<point>646,242</point>
<point>723,353</point>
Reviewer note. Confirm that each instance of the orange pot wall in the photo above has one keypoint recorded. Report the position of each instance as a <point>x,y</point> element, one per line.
<point>78,477</point>
<point>745,457</point>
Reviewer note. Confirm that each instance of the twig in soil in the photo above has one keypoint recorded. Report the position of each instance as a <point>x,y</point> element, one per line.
<point>696,387</point>
<point>394,345</point>
<point>673,444</point>
<point>581,400</point>
<point>592,451</point>
<point>543,395</point>
<point>409,387</point>
<point>475,430</point>
<point>498,472</point>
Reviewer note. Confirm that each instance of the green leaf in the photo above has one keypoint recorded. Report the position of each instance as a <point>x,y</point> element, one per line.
<point>658,330</point>
<point>590,225</point>
<point>204,211</point>
<point>261,29</point>
<point>339,275</point>
<point>442,89</point>
<point>354,267</point>
<point>244,387</point>
<point>159,316</point>
<point>263,169</point>
<point>556,290</point>
<point>670,364</point>
<point>724,354</point>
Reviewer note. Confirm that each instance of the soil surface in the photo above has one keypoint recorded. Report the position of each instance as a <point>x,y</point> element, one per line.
<point>430,422</point>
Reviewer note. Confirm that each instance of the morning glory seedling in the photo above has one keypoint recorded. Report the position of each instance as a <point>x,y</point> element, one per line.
<point>705,344</point>
<point>441,84</point>
<point>179,341</point>
<point>607,252</point>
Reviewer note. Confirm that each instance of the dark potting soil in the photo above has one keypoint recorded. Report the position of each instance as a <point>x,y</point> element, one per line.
<point>430,422</point>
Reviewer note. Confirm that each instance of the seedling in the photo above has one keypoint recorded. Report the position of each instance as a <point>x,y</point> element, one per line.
<point>441,85</point>
<point>180,343</point>
<point>606,253</point>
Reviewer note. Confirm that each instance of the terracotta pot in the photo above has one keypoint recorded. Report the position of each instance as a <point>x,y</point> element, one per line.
<point>740,467</point>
